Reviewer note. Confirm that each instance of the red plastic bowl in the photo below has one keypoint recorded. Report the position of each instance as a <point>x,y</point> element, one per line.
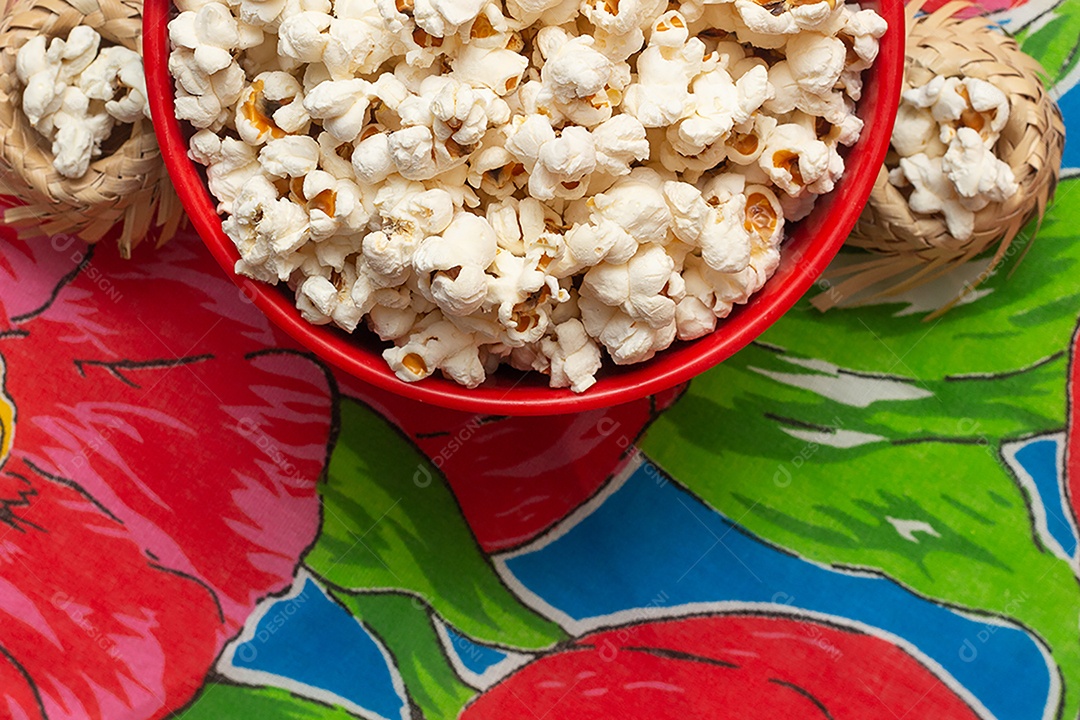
<point>806,253</point>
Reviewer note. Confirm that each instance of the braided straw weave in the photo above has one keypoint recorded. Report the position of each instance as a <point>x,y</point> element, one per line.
<point>914,248</point>
<point>128,186</point>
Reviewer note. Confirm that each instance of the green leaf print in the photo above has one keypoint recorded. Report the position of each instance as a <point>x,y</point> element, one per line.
<point>218,701</point>
<point>390,523</point>
<point>404,625</point>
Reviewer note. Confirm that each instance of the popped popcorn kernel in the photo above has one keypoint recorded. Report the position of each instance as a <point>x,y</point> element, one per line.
<point>945,135</point>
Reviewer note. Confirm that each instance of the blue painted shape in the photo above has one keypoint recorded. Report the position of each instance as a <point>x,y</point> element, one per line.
<point>312,640</point>
<point>1039,460</point>
<point>1070,110</point>
<point>651,543</point>
<point>475,657</point>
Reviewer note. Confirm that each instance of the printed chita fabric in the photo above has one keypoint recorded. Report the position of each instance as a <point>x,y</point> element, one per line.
<point>861,515</point>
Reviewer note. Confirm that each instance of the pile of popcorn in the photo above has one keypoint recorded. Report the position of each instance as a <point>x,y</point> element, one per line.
<point>945,137</point>
<point>528,182</point>
<point>75,92</point>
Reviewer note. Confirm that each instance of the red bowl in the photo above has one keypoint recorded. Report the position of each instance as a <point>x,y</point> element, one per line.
<point>806,253</point>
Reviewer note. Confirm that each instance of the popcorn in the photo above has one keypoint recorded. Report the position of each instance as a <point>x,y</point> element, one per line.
<point>619,142</point>
<point>717,227</point>
<point>74,93</point>
<point>665,69</point>
<point>632,211</point>
<point>290,156</point>
<point>795,160</point>
<point>816,61</point>
<point>231,163</point>
<point>626,340</point>
<point>574,71</point>
<point>458,259</point>
<point>322,300</point>
<point>357,42</point>
<point>498,70</point>
<point>406,221</point>
<point>969,102</point>
<point>861,31</point>
<point>974,169</point>
<point>341,105</point>
<point>260,12</point>
<point>537,183</point>
<point>271,107</point>
<point>211,33</point>
<point>436,344</point>
<point>945,135</point>
<point>117,70</point>
<point>574,357</point>
<point>443,17</point>
<point>266,230</point>
<point>302,37</point>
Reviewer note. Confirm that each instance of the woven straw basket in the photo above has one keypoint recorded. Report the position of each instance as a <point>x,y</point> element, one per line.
<point>911,248</point>
<point>127,186</point>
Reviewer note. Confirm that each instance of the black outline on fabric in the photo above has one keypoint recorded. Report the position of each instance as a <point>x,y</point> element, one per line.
<point>655,412</point>
<point>560,650</point>
<point>430,435</point>
<point>29,680</point>
<point>334,430</point>
<point>1008,373</point>
<point>201,583</point>
<point>811,697</point>
<point>1025,496</point>
<point>6,334</point>
<point>792,422</point>
<point>480,420</point>
<point>1068,59</point>
<point>113,367</point>
<point>839,370</point>
<point>73,485</point>
<point>1035,19</point>
<point>769,346</point>
<point>936,439</point>
<point>64,281</point>
<point>5,395</point>
<point>8,517</point>
<point>669,654</point>
<point>404,592</point>
<point>877,376</point>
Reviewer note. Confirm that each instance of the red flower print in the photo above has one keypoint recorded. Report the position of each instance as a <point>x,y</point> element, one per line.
<point>737,666</point>
<point>160,448</point>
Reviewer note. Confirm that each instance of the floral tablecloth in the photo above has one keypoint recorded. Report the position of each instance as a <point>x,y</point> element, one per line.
<point>862,515</point>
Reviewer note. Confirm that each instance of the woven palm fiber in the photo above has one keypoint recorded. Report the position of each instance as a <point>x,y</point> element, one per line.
<point>913,248</point>
<point>127,186</point>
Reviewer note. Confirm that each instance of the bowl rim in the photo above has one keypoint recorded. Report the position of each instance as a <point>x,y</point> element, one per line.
<point>807,252</point>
